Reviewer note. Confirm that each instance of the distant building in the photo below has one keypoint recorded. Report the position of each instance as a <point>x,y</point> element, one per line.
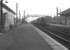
<point>66,15</point>
<point>59,20</point>
<point>65,12</point>
<point>8,15</point>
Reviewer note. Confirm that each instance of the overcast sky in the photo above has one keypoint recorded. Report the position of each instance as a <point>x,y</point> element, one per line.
<point>43,7</point>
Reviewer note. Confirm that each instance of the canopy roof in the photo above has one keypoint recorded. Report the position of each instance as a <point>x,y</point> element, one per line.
<point>66,12</point>
<point>9,9</point>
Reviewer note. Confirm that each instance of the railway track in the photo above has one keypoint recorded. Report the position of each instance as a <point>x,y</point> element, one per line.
<point>61,37</point>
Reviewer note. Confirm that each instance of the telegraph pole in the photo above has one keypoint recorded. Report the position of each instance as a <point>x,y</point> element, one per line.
<point>57,11</point>
<point>16,9</point>
<point>24,14</point>
<point>60,10</point>
<point>23,20</point>
<point>19,14</point>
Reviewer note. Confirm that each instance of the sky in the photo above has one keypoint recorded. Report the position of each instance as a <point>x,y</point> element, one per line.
<point>42,7</point>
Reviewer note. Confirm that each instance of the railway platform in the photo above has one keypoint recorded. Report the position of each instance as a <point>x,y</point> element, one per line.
<point>24,37</point>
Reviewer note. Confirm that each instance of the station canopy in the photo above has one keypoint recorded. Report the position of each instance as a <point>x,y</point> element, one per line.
<point>65,12</point>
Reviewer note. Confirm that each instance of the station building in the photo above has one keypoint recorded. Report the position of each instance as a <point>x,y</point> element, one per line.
<point>66,16</point>
<point>8,16</point>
